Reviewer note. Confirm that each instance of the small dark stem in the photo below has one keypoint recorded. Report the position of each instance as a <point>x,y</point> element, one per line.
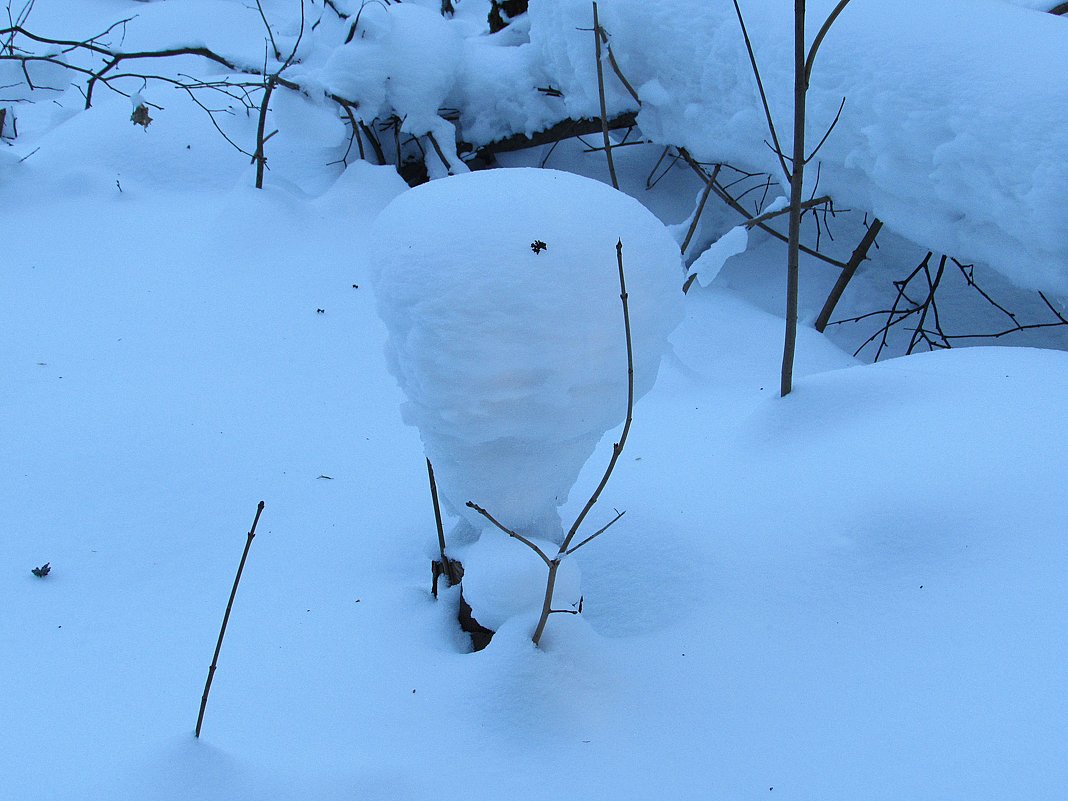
<point>446,563</point>
<point>793,247</point>
<point>776,147</point>
<point>604,106</point>
<point>226,618</point>
<point>771,215</point>
<point>509,532</point>
<point>709,184</point>
<point>595,534</point>
<point>859,255</point>
<point>259,157</point>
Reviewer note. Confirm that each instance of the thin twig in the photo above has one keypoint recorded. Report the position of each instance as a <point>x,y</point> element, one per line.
<point>827,133</point>
<point>793,247</point>
<point>777,148</point>
<point>226,618</point>
<point>446,562</point>
<point>600,94</point>
<point>515,535</point>
<point>615,67</point>
<point>437,149</point>
<point>596,534</point>
<point>731,201</point>
<point>860,253</point>
<point>920,332</point>
<point>771,215</point>
<point>827,23</point>
<point>296,44</point>
<point>700,208</point>
<point>270,33</point>
<point>617,449</point>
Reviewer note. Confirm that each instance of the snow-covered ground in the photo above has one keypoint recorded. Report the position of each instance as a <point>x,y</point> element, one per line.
<point>855,593</point>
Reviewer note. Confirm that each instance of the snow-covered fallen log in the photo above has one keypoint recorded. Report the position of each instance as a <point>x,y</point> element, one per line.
<point>956,140</point>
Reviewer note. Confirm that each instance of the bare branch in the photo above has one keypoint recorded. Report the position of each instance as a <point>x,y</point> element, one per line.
<point>827,134</point>
<point>437,149</point>
<point>731,201</point>
<point>827,23</point>
<point>777,148</point>
<point>270,33</point>
<point>509,532</point>
<point>600,95</point>
<point>771,215</point>
<point>617,449</point>
<point>595,534</point>
<point>615,67</point>
<point>860,253</point>
<point>296,44</point>
<point>709,184</point>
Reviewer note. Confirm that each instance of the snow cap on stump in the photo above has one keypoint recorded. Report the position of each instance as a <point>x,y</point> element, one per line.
<point>500,291</point>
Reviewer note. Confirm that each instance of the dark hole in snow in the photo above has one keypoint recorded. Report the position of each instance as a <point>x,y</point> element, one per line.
<point>480,635</point>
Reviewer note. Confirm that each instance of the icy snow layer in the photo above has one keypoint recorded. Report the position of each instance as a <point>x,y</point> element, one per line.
<point>514,361</point>
<point>952,133</point>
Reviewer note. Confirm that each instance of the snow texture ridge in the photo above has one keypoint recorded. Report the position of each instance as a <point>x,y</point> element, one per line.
<point>500,291</point>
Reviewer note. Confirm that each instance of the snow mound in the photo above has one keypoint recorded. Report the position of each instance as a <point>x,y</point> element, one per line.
<point>513,357</point>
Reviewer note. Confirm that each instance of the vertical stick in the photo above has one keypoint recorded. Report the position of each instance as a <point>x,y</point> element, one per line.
<point>600,92</point>
<point>226,619</point>
<point>260,158</point>
<point>446,564</point>
<point>796,188</point>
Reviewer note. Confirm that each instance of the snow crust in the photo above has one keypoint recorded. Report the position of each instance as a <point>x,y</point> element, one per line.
<point>514,361</point>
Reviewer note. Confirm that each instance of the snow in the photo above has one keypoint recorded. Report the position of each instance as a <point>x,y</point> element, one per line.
<point>855,593</point>
<point>513,356</point>
<point>403,59</point>
<point>709,263</point>
<point>934,139</point>
<point>504,579</point>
